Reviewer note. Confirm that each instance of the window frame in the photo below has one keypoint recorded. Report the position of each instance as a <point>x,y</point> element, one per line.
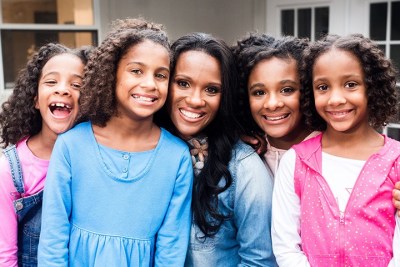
<point>95,27</point>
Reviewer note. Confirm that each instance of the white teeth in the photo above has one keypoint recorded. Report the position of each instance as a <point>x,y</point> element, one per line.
<point>143,98</point>
<point>60,105</point>
<point>339,113</point>
<point>276,118</point>
<point>190,114</point>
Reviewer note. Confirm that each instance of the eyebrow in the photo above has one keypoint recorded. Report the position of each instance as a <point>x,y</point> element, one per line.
<point>186,77</point>
<point>141,64</point>
<point>281,82</point>
<point>58,73</point>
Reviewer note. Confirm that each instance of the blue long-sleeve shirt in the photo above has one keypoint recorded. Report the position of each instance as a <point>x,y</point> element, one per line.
<point>104,207</point>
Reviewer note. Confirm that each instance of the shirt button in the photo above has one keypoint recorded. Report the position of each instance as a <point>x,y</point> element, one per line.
<point>125,156</point>
<point>125,170</point>
<point>19,205</point>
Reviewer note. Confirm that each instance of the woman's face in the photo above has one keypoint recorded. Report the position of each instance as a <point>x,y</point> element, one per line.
<point>195,92</point>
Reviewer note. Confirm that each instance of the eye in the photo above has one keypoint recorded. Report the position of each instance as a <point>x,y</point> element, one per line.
<point>183,84</point>
<point>161,76</point>
<point>212,90</point>
<point>287,90</point>
<point>257,93</point>
<point>350,85</point>
<point>50,82</point>
<point>322,87</point>
<point>136,71</point>
<point>76,86</point>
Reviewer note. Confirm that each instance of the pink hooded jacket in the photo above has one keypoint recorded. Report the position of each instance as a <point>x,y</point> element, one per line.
<point>363,235</point>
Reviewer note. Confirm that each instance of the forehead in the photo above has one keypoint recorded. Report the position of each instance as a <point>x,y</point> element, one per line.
<point>63,63</point>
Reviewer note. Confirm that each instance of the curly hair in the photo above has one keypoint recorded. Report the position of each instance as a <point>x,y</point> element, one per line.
<point>97,100</point>
<point>379,75</point>
<point>222,132</point>
<point>248,53</point>
<point>19,117</point>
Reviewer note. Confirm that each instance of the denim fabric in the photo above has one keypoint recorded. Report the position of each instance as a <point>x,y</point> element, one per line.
<point>245,238</point>
<point>29,212</point>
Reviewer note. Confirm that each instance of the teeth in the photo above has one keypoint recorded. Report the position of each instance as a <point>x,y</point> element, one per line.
<point>143,98</point>
<point>60,105</point>
<point>190,114</point>
<point>339,113</point>
<point>276,118</point>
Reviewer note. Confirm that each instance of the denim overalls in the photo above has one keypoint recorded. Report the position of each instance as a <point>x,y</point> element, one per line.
<point>29,213</point>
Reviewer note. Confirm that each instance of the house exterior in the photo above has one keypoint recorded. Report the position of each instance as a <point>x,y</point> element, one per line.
<point>26,24</point>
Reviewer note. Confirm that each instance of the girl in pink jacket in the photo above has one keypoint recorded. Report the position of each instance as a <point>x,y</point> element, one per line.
<point>332,203</point>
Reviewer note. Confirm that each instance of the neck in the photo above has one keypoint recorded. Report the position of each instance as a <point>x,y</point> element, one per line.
<point>42,144</point>
<point>296,136</point>
<point>129,135</point>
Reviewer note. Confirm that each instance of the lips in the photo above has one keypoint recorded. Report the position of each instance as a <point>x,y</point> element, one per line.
<point>142,98</point>
<point>276,117</point>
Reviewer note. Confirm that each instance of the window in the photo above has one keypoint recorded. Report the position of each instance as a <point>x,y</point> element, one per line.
<point>28,24</point>
<point>384,28</point>
<point>311,22</point>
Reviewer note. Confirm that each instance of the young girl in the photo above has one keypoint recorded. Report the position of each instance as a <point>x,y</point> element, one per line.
<point>44,103</point>
<point>232,188</point>
<point>119,187</point>
<point>270,92</point>
<point>332,196</point>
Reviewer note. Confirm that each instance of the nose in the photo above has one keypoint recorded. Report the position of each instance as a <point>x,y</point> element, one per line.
<point>63,88</point>
<point>273,102</point>
<point>336,97</point>
<point>148,81</point>
<point>195,99</point>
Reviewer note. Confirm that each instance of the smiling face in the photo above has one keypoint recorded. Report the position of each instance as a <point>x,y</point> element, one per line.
<point>142,81</point>
<point>195,93</point>
<point>58,93</point>
<point>274,95</point>
<point>340,92</point>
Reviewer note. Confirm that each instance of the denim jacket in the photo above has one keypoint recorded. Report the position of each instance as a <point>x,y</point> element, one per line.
<point>245,238</point>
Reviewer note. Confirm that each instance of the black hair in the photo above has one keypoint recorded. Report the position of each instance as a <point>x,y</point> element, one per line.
<point>222,132</point>
<point>379,75</point>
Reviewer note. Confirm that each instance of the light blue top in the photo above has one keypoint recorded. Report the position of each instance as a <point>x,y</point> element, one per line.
<point>245,238</point>
<point>104,207</point>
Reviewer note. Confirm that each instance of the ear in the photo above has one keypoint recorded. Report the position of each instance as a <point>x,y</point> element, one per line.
<point>36,102</point>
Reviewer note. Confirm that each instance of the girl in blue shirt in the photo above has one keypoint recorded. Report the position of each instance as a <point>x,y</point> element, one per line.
<point>118,190</point>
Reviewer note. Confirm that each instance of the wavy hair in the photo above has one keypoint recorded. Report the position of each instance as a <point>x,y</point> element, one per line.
<point>250,51</point>
<point>379,75</point>
<point>222,132</point>
<point>19,117</point>
<point>98,102</point>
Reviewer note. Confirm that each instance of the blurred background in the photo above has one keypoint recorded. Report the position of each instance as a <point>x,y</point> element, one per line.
<point>25,25</point>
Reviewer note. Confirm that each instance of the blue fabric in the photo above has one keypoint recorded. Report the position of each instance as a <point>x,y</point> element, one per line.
<point>29,212</point>
<point>245,238</point>
<point>93,216</point>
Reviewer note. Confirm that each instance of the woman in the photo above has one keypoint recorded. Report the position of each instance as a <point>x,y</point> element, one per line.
<point>232,188</point>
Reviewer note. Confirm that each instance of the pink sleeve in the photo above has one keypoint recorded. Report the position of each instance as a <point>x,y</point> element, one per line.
<point>8,218</point>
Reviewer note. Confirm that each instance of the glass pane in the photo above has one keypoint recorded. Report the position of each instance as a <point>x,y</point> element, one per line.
<point>321,22</point>
<point>18,46</point>
<point>377,21</point>
<point>77,12</point>
<point>395,30</point>
<point>304,22</point>
<point>287,22</point>
<point>393,133</point>
<point>395,56</point>
<point>383,48</point>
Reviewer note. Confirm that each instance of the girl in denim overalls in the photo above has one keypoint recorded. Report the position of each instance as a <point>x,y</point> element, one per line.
<point>44,103</point>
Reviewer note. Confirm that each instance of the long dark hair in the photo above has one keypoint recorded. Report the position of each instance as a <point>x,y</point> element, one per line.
<point>19,117</point>
<point>222,132</point>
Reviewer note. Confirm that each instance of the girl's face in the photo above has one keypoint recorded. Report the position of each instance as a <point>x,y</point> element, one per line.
<point>58,92</point>
<point>195,92</point>
<point>142,81</point>
<point>340,92</point>
<point>274,95</point>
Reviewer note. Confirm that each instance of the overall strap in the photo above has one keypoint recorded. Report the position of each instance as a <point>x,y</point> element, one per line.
<point>15,166</point>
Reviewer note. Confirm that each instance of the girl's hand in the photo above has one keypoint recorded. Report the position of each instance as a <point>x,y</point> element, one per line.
<point>396,197</point>
<point>259,143</point>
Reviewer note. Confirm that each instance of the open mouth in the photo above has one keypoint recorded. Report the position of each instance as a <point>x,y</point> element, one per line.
<point>144,98</point>
<point>191,115</point>
<point>276,118</point>
<point>60,109</point>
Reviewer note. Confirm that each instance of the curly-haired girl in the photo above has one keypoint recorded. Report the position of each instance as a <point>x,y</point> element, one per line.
<point>332,196</point>
<point>44,104</point>
<point>118,190</point>
<point>270,92</point>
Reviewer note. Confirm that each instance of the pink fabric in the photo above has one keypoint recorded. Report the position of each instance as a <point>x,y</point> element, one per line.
<point>363,235</point>
<point>34,172</point>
